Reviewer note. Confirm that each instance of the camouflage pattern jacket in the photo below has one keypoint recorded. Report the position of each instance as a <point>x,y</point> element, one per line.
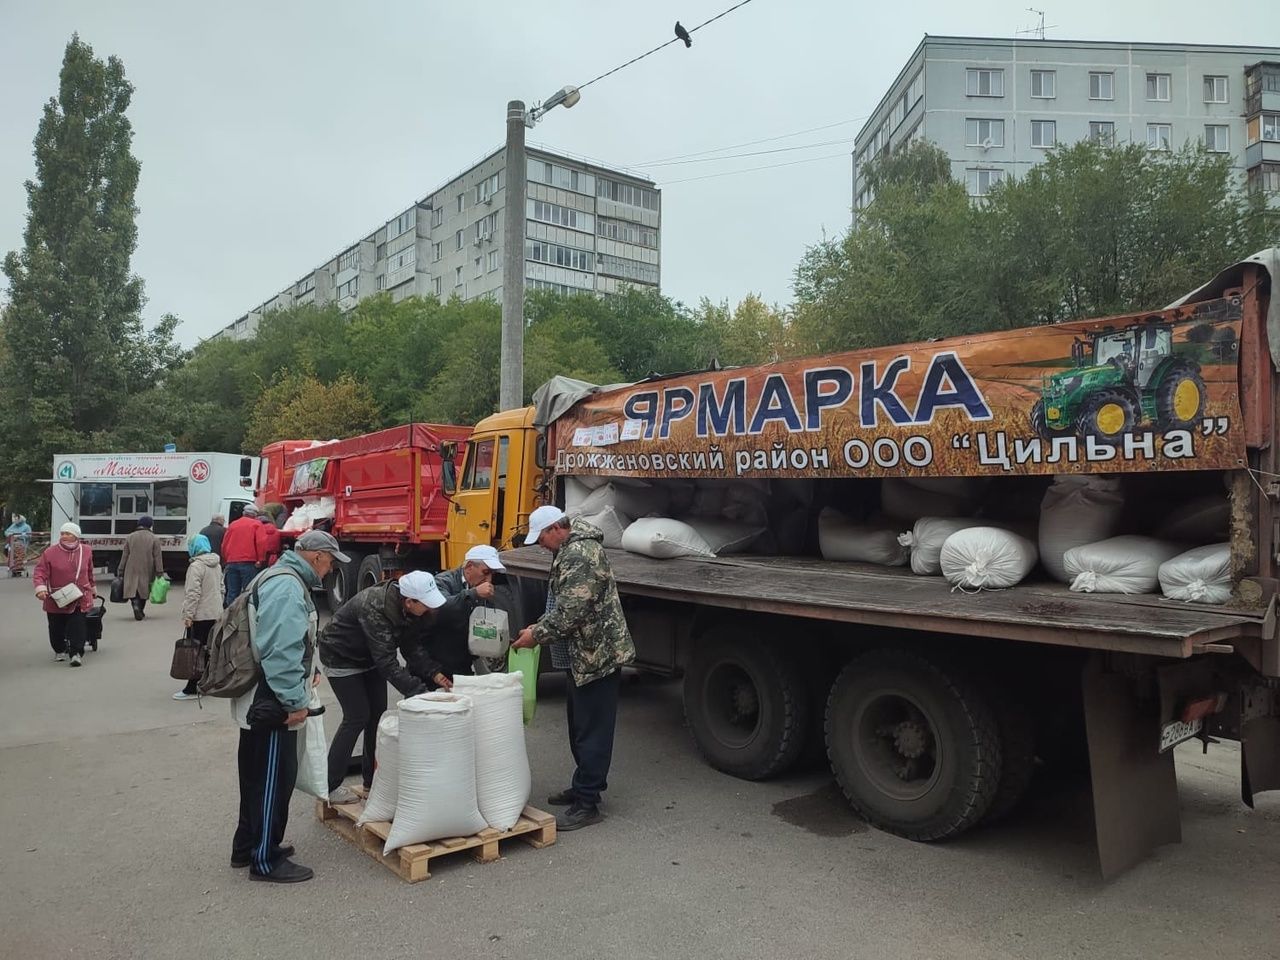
<point>370,628</point>
<point>588,614</point>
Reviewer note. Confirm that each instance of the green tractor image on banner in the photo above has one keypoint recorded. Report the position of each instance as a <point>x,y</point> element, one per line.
<point>1121,379</point>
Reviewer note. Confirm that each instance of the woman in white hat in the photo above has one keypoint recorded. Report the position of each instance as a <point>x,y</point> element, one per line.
<point>64,584</point>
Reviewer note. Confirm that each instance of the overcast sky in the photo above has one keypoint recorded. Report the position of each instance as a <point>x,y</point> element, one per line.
<point>274,134</point>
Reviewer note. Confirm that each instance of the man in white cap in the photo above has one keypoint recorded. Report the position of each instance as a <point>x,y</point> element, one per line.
<point>359,648</point>
<point>465,588</point>
<point>585,614</point>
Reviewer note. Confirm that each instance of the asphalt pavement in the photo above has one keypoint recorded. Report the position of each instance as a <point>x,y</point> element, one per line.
<point>117,805</point>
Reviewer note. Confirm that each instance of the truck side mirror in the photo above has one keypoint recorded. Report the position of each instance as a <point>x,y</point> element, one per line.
<point>246,468</point>
<point>448,478</point>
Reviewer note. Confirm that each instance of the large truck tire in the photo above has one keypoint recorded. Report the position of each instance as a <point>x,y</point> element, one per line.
<point>1017,756</point>
<point>914,745</point>
<point>747,704</point>
<point>370,572</point>
<point>340,585</point>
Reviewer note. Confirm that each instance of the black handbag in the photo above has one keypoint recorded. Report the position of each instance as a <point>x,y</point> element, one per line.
<point>186,658</point>
<point>117,589</point>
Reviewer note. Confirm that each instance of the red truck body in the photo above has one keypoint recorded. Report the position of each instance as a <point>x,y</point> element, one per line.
<point>386,485</point>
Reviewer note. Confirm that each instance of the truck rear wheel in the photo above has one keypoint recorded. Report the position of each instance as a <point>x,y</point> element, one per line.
<point>340,585</point>
<point>914,746</point>
<point>1017,756</point>
<point>747,705</point>
<point>370,572</point>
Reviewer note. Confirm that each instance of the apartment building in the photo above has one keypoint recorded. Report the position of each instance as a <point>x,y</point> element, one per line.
<point>588,228</point>
<point>996,106</point>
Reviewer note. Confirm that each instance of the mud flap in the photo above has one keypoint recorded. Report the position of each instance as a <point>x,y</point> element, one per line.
<point>1259,757</point>
<point>1135,789</point>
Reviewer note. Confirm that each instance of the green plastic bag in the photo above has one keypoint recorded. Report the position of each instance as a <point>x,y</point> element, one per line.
<point>526,661</point>
<point>159,590</point>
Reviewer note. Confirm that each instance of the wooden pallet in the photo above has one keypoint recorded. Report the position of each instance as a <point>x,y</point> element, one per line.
<point>412,862</point>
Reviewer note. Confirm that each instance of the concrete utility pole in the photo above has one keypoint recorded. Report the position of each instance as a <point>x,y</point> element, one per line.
<point>511,378</point>
<point>511,381</point>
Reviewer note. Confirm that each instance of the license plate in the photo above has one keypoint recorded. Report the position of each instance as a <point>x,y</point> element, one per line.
<point>1177,731</point>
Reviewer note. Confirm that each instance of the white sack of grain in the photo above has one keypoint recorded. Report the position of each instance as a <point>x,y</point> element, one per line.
<point>1077,510</point>
<point>987,558</point>
<point>840,538</point>
<point>1202,575</point>
<point>1119,565</point>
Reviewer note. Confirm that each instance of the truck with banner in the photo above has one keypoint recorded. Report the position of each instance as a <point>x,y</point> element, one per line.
<point>106,494</point>
<point>935,703</point>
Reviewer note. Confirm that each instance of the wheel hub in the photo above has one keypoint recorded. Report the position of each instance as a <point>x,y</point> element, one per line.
<point>745,701</point>
<point>911,739</point>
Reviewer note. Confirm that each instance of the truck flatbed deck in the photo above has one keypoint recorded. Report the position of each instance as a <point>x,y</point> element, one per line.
<point>1037,612</point>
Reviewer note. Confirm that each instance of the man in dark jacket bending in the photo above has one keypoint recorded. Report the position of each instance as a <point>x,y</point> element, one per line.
<point>358,650</point>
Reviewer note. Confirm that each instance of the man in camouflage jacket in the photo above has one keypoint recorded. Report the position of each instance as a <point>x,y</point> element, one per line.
<point>584,613</point>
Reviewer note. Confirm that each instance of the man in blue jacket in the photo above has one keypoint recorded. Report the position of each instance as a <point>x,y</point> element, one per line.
<point>284,636</point>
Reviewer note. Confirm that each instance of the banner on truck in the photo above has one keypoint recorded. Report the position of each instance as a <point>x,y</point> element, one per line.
<point>1148,391</point>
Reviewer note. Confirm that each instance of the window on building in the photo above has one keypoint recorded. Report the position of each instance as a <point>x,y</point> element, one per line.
<point>1158,86</point>
<point>479,267</point>
<point>349,259</point>
<point>487,187</point>
<point>1044,84</point>
<point>1215,89</point>
<point>981,132</point>
<point>349,289</point>
<point>435,286</point>
<point>435,252</point>
<point>1265,127</point>
<point>627,232</point>
<point>495,260</point>
<point>915,90</point>
<point>558,255</point>
<point>1102,86</point>
<point>437,216</point>
<point>381,253</point>
<point>980,180</point>
<point>380,282</point>
<point>401,224</point>
<point>626,269</point>
<point>1160,136</point>
<point>984,83</point>
<point>1217,138</point>
<point>457,276</point>
<point>1264,178</point>
<point>457,240</point>
<point>1044,133</point>
<point>629,193</point>
<point>1102,131</point>
<point>462,202</point>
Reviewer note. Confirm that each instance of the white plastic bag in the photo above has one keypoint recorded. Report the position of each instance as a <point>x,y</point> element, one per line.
<point>926,539</point>
<point>839,538</point>
<point>725,536</point>
<point>304,517</point>
<point>313,758</point>
<point>1202,575</point>
<point>629,500</point>
<point>502,764</point>
<point>436,794</point>
<point>1118,565</point>
<point>611,522</point>
<point>488,634</point>
<point>1077,510</point>
<point>665,539</point>
<point>987,558</point>
<point>381,802</point>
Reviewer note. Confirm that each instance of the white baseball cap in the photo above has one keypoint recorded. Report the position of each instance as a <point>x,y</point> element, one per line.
<point>420,586</point>
<point>540,519</point>
<point>483,553</point>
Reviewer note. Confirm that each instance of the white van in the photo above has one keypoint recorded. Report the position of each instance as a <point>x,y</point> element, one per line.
<point>106,493</point>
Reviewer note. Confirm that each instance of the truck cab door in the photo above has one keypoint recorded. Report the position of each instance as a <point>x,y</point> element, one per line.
<point>472,513</point>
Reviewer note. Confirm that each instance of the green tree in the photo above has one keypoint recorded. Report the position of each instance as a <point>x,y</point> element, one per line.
<point>76,347</point>
<point>752,332</point>
<point>300,407</point>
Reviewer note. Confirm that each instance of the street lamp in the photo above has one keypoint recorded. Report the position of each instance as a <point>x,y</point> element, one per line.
<point>511,377</point>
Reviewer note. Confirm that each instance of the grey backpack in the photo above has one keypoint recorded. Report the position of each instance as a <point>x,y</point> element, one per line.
<point>228,661</point>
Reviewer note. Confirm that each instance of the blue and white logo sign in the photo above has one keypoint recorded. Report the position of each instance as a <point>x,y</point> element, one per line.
<point>66,471</point>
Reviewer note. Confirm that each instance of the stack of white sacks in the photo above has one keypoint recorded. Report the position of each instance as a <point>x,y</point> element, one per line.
<point>932,524</point>
<point>450,764</point>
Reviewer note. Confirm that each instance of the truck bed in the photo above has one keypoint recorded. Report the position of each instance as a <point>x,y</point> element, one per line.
<point>1035,612</point>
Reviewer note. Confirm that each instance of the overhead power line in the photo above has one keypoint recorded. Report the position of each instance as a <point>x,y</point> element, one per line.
<point>749,143</point>
<point>649,53</point>
<point>770,166</point>
<point>753,153</point>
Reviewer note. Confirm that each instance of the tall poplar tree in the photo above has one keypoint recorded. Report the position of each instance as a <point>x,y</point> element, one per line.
<point>75,347</point>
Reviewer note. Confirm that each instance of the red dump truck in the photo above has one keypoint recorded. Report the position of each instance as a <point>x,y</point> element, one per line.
<point>932,704</point>
<point>381,494</point>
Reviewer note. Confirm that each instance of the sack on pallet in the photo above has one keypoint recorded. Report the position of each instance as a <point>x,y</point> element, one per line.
<point>664,539</point>
<point>987,558</point>
<point>1202,575</point>
<point>910,499</point>
<point>436,794</point>
<point>926,538</point>
<point>724,537</point>
<point>1077,511</point>
<point>502,765</point>
<point>1203,520</point>
<point>840,538</point>
<point>630,500</point>
<point>1119,565</point>
<point>381,802</point>
<point>611,522</point>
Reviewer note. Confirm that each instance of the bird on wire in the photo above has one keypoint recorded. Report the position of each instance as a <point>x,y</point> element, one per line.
<point>683,34</point>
